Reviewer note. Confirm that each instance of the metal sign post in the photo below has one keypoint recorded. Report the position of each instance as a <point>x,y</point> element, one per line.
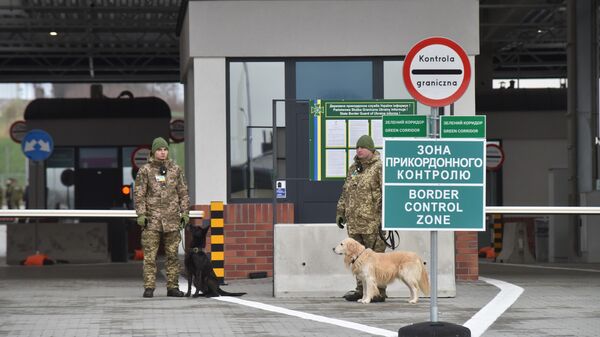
<point>433,310</point>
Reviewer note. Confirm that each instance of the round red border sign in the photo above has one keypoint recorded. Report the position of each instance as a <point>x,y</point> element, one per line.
<point>17,131</point>
<point>436,71</point>
<point>495,161</point>
<point>176,129</point>
<point>140,156</point>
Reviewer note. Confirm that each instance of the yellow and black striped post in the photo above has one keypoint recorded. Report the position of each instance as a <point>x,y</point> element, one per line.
<point>497,233</point>
<point>217,240</point>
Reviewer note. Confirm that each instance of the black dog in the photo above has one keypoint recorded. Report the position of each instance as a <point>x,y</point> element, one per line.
<point>199,268</point>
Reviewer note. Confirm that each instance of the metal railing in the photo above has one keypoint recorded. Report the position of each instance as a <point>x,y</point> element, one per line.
<point>550,210</point>
<point>76,213</point>
<point>92,213</point>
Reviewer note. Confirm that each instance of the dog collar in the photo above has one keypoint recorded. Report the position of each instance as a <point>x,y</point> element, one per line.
<point>356,258</point>
<point>196,250</point>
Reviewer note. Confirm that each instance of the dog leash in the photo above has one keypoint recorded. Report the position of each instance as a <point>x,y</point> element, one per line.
<point>182,234</point>
<point>354,260</point>
<point>391,238</point>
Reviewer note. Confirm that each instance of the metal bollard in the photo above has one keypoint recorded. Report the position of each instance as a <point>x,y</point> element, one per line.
<point>217,240</point>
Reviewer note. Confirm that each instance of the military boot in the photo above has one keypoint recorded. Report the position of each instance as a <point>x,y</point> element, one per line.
<point>148,292</point>
<point>174,292</point>
<point>381,297</point>
<point>353,295</point>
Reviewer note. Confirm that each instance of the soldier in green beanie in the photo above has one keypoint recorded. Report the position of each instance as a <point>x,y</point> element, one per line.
<point>359,206</point>
<point>162,206</point>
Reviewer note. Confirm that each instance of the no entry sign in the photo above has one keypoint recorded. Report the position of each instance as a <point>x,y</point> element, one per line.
<point>436,71</point>
<point>140,156</point>
<point>18,130</point>
<point>177,130</point>
<point>495,157</point>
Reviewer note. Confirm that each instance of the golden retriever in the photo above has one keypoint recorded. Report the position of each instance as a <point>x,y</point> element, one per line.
<point>380,269</point>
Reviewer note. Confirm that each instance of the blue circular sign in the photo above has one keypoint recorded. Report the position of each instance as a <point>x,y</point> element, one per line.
<point>37,145</point>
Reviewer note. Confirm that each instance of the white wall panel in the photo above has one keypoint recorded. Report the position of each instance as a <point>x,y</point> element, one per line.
<point>327,27</point>
<point>209,127</point>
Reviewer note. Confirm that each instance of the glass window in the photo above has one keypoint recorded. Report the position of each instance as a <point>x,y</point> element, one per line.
<point>393,85</point>
<point>98,157</point>
<point>60,177</point>
<point>334,80</point>
<point>252,88</point>
<point>127,166</point>
<point>529,83</point>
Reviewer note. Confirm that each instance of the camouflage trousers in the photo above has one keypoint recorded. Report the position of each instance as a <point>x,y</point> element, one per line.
<point>150,244</point>
<point>374,242</point>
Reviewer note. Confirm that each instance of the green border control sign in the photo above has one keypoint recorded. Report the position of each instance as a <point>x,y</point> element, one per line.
<point>405,126</point>
<point>462,127</point>
<point>434,184</point>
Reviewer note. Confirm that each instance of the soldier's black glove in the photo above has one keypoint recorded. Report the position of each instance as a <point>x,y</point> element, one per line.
<point>341,221</point>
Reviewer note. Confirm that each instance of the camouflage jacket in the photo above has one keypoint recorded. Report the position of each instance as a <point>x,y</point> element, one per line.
<point>162,199</point>
<point>360,201</point>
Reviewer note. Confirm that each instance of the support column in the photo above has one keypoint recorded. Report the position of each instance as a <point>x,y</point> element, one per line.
<point>582,56</point>
<point>206,156</point>
<point>36,193</point>
<point>587,93</point>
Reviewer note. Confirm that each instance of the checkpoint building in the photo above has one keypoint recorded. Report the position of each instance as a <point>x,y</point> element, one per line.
<point>242,62</point>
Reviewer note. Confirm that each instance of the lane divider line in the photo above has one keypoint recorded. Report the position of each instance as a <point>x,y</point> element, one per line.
<point>295,313</point>
<point>312,317</point>
<point>484,318</point>
<point>478,324</point>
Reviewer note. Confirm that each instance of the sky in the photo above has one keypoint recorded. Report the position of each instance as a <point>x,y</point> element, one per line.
<point>16,90</point>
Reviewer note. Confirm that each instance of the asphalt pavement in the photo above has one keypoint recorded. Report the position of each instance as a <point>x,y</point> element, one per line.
<point>106,300</point>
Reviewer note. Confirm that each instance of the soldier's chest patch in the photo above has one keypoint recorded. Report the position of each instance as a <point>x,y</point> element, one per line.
<point>160,178</point>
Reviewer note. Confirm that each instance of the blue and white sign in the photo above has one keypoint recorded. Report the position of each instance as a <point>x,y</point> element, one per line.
<point>280,190</point>
<point>37,145</point>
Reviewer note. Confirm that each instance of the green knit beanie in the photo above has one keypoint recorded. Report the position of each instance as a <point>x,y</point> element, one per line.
<point>365,141</point>
<point>157,143</point>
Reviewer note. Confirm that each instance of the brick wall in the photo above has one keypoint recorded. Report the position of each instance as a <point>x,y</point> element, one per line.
<point>467,259</point>
<point>249,236</point>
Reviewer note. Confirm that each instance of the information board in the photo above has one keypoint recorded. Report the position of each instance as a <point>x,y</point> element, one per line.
<point>434,184</point>
<point>335,127</point>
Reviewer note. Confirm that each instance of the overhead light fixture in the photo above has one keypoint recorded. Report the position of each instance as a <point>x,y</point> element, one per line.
<point>53,33</point>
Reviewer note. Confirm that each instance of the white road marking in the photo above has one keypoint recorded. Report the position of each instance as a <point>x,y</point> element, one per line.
<point>478,324</point>
<point>509,293</point>
<point>484,318</point>
<point>312,317</point>
<point>299,314</point>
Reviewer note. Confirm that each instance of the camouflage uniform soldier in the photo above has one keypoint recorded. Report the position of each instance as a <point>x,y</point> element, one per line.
<point>11,194</point>
<point>17,197</point>
<point>162,205</point>
<point>359,206</point>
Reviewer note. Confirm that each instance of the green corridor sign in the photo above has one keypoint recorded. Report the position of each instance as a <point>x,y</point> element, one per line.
<point>434,184</point>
